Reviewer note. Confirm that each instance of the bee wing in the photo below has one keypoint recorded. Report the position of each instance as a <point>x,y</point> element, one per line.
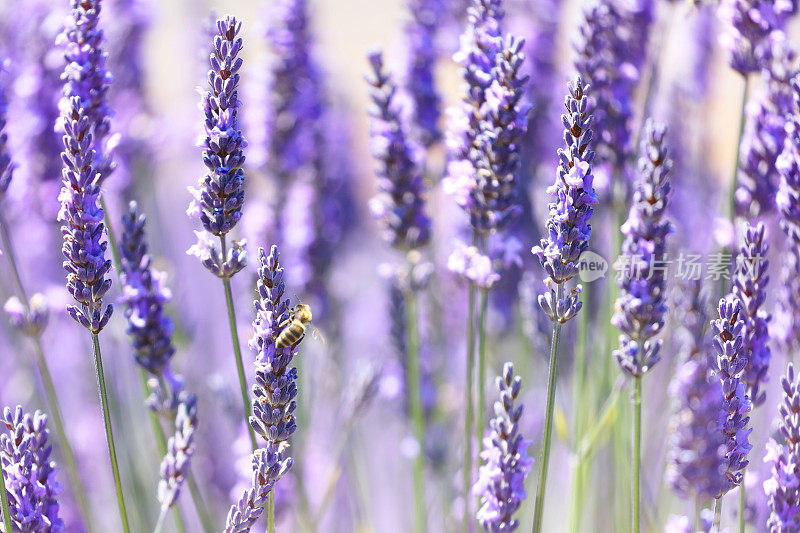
<point>316,333</point>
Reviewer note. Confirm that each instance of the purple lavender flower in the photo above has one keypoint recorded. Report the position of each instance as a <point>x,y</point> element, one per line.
<point>694,464</point>
<point>144,293</point>
<point>729,367</point>
<point>750,25</point>
<point>218,199</point>
<point>29,320</point>
<point>783,487</point>
<point>275,390</point>
<point>750,283</point>
<point>269,465</point>
<point>611,52</point>
<point>180,448</point>
<point>422,55</point>
<point>400,205</point>
<point>641,306</point>
<point>6,165</point>
<point>82,223</point>
<point>29,473</point>
<point>501,479</point>
<point>764,132</point>
<point>568,225</point>
<point>788,202</point>
<point>85,76</point>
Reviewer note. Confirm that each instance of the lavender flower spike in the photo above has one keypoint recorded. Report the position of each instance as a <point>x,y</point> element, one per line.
<point>568,225</point>
<point>729,366</point>
<point>750,284</point>
<point>783,487</point>
<point>218,200</point>
<point>641,307</point>
<point>82,223</point>
<point>399,206</point>
<point>501,480</point>
<point>180,448</point>
<point>750,25</point>
<point>86,77</point>
<point>29,473</point>
<point>275,390</point>
<point>6,165</point>
<point>144,294</point>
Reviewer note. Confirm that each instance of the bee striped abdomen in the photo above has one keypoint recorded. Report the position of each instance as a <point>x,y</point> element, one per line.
<point>290,335</point>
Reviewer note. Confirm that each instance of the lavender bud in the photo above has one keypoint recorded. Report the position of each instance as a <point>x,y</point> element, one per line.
<point>729,367</point>
<point>180,448</point>
<point>750,284</point>
<point>399,207</point>
<point>568,225</point>
<point>641,307</point>
<point>29,320</point>
<point>29,473</point>
<point>144,294</point>
<point>82,223</point>
<point>85,77</point>
<point>501,479</point>
<point>783,486</point>
<point>218,199</point>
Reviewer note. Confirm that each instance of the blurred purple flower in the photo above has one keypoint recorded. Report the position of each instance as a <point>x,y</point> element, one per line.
<point>501,479</point>
<point>180,448</point>
<point>399,207</point>
<point>749,26</point>
<point>472,265</point>
<point>29,473</point>
<point>6,165</point>
<point>641,307</point>
<point>29,320</point>
<point>783,487</point>
<point>749,286</point>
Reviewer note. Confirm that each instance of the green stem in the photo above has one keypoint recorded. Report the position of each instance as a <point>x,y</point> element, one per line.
<point>49,388</point>
<point>4,500</point>
<point>237,350</point>
<point>741,504</point>
<point>480,410</point>
<point>637,450</point>
<point>417,416</point>
<point>271,512</point>
<point>538,510</point>
<point>112,452</point>
<point>470,364</point>
<point>717,513</point>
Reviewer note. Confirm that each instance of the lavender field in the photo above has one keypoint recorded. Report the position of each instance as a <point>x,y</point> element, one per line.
<point>399,266</point>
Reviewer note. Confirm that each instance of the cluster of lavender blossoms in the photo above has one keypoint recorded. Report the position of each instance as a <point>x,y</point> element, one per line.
<point>274,393</point>
<point>610,55</point>
<point>765,132</point>
<point>217,201</point>
<point>750,27</point>
<point>29,473</point>
<point>729,367</point>
<point>180,448</point>
<point>750,288</point>
<point>399,206</point>
<point>85,76</point>
<point>641,307</point>
<point>788,202</point>
<point>82,225</point>
<point>694,462</point>
<point>568,228</point>
<point>782,488</point>
<point>501,479</point>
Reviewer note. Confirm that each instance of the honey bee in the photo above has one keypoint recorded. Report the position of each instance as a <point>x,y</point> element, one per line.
<point>294,328</point>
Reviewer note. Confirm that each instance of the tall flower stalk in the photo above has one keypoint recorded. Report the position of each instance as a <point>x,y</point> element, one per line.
<point>641,307</point>
<point>219,196</point>
<point>729,366</point>
<point>399,209</point>
<point>568,231</point>
<point>84,250</point>
<point>30,317</point>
